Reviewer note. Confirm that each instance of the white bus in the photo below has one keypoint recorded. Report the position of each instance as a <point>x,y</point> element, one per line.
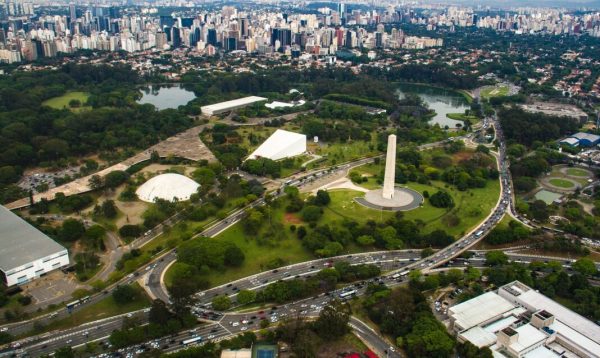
<point>347,294</point>
<point>191,341</point>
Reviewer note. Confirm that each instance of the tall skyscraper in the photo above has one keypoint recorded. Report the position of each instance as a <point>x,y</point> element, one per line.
<point>211,37</point>
<point>284,36</point>
<point>72,12</point>
<point>341,9</point>
<point>175,37</point>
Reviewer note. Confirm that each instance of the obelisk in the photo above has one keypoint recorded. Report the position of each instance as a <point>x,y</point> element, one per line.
<point>390,168</point>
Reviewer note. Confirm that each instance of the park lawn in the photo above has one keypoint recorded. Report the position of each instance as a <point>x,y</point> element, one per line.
<point>561,183</point>
<point>337,153</point>
<point>498,91</point>
<point>107,307</point>
<point>258,256</point>
<point>577,172</point>
<point>463,117</point>
<point>472,206</point>
<point>62,102</point>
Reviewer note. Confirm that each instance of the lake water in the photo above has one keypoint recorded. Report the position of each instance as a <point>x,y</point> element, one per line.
<point>440,100</point>
<point>164,97</point>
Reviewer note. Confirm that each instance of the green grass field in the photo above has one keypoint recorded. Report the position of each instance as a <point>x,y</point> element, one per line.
<point>463,117</point>
<point>561,183</point>
<point>472,207</point>
<point>576,172</point>
<point>63,101</point>
<point>106,307</point>
<point>336,153</point>
<point>498,91</point>
<point>258,256</point>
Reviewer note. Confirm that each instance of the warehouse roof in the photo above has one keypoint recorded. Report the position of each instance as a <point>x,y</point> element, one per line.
<point>212,108</point>
<point>168,186</point>
<point>21,243</point>
<point>479,310</point>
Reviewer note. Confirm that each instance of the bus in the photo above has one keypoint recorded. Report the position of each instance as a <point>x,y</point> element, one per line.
<point>76,303</point>
<point>191,341</point>
<point>478,233</point>
<point>73,304</point>
<point>347,294</point>
<point>400,275</point>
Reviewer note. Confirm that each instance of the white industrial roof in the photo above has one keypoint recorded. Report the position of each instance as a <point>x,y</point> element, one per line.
<point>479,310</point>
<point>528,337</point>
<point>541,352</point>
<point>168,187</point>
<point>21,243</point>
<point>560,312</point>
<point>501,323</point>
<point>479,337</point>
<point>231,104</point>
<point>578,338</point>
<point>281,144</point>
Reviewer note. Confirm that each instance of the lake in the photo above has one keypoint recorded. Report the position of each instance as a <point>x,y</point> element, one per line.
<point>164,97</point>
<point>440,100</point>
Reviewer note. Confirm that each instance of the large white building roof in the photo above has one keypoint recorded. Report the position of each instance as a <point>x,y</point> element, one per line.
<point>168,187</point>
<point>534,301</point>
<point>281,144</point>
<point>479,310</point>
<point>21,243</point>
<point>229,105</point>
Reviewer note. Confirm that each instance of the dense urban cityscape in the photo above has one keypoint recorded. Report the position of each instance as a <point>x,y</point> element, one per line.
<point>300,179</point>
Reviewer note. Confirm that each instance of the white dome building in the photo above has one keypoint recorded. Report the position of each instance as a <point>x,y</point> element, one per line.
<point>168,187</point>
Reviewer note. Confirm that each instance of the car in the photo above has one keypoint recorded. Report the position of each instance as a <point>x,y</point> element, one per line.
<point>243,328</point>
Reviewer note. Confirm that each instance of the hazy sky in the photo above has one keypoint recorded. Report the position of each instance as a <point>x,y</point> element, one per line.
<point>510,3</point>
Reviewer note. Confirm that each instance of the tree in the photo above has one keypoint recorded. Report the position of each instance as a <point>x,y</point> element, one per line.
<point>64,352</point>
<point>495,258</point>
<point>115,178</point>
<point>234,256</point>
<point>585,266</point>
<point>441,199</point>
<point>96,182</point>
<point>322,198</point>
<point>204,176</point>
<point>130,231</point>
<point>539,210</point>
<point>246,296</point>
<point>365,240</point>
<point>311,213</point>
<point>124,294</point>
<point>469,350</point>
<point>221,303</point>
<point>108,209</point>
<point>159,312</point>
<point>71,230</point>
<point>333,321</point>
<point>426,252</point>
<point>428,339</point>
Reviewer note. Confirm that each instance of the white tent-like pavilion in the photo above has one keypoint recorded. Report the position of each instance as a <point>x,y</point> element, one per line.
<point>281,144</point>
<point>168,186</point>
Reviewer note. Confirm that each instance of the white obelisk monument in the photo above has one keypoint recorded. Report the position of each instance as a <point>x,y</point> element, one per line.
<point>390,168</point>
